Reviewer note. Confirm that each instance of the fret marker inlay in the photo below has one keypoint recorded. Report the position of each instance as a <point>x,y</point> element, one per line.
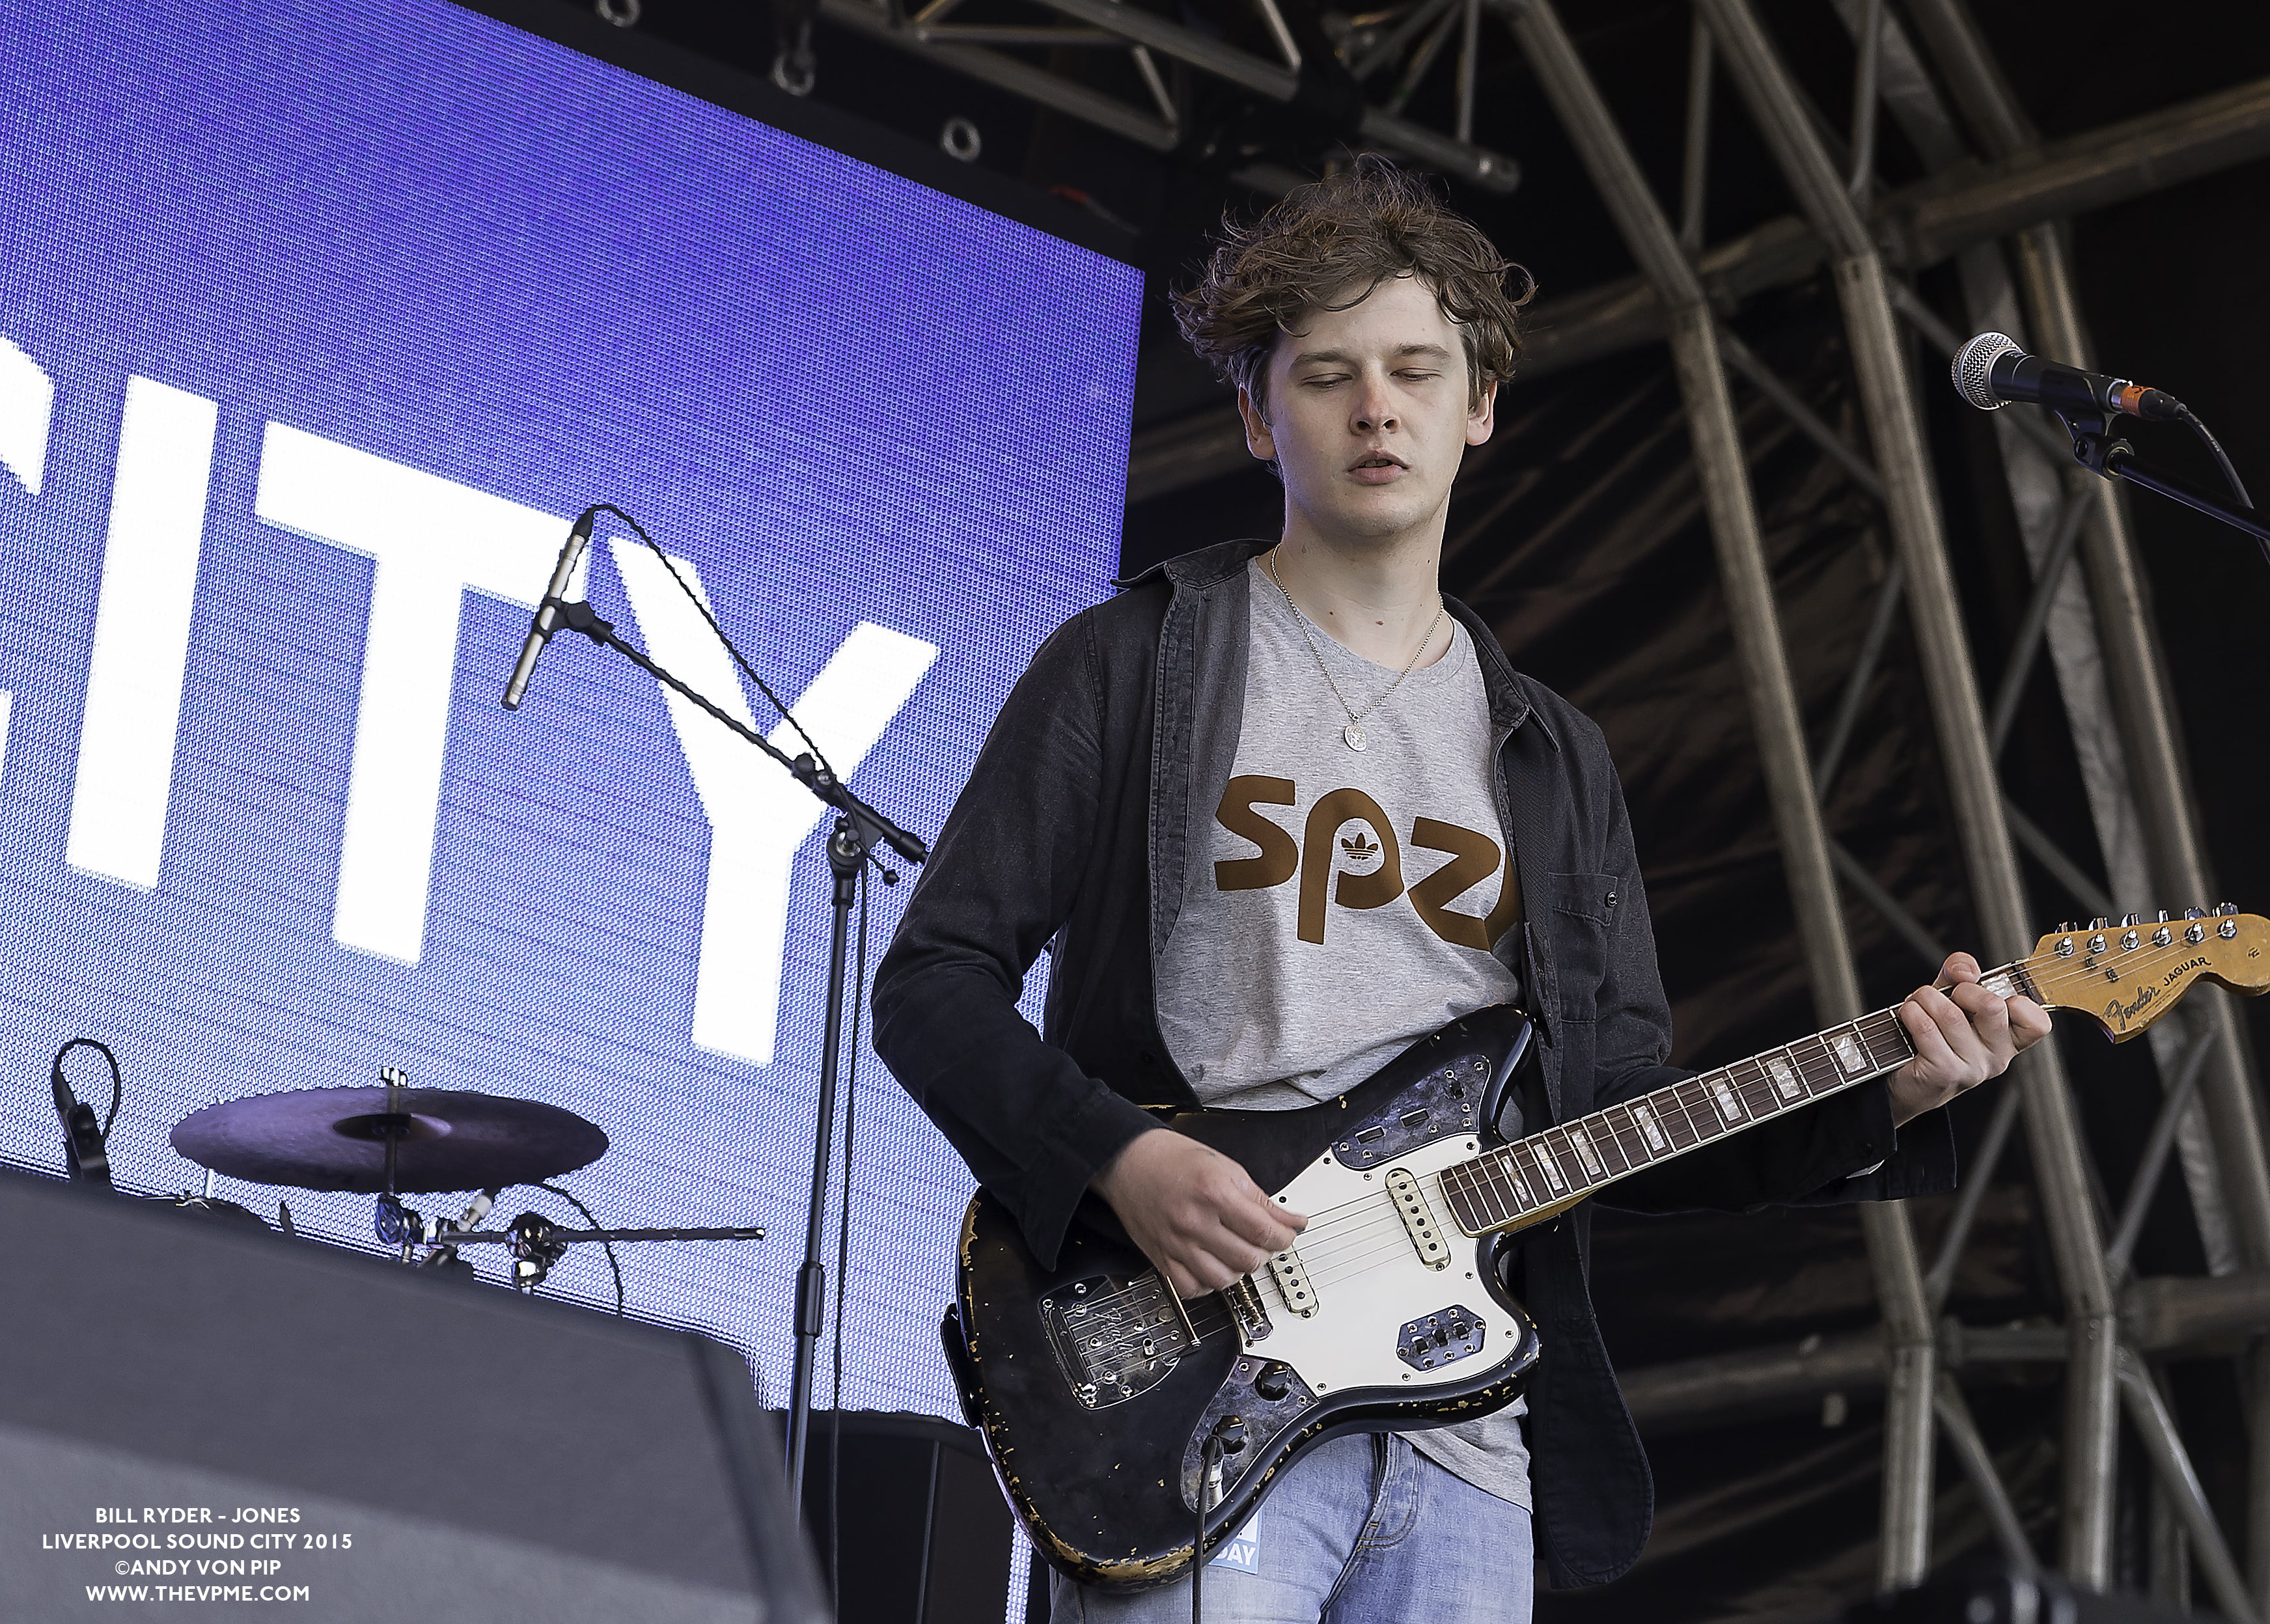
<point>1649,1131</point>
<point>1784,1081</point>
<point>1583,1144</point>
<point>1728,1107</point>
<point>1849,1053</point>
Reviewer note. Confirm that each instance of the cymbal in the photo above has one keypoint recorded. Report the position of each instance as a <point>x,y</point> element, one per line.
<point>334,1138</point>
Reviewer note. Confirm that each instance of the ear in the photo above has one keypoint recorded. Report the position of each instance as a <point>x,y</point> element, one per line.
<point>1481,419</point>
<point>1258,440</point>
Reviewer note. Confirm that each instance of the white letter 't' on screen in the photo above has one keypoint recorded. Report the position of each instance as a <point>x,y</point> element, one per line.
<point>433,540</point>
<point>758,816</point>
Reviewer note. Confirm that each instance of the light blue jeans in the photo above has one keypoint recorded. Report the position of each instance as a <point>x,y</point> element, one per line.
<point>1363,1529</point>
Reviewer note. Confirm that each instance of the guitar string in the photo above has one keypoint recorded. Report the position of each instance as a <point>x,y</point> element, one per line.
<point>1607,1137</point>
<point>2044,969</point>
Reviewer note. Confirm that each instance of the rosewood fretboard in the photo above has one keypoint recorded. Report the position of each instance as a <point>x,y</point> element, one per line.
<point>1563,1163</point>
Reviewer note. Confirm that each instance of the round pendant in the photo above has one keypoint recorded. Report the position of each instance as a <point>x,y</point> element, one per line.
<point>1353,735</point>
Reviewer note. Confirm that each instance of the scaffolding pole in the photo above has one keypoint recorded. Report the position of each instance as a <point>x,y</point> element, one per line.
<point>2053,1128</point>
<point>1905,1550</point>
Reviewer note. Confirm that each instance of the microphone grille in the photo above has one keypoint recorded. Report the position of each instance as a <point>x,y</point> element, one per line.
<point>1974,362</point>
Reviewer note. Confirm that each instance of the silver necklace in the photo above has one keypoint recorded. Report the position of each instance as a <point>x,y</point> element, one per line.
<point>1352,733</point>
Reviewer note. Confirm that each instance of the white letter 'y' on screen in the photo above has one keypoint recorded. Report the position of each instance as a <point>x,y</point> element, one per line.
<point>758,816</point>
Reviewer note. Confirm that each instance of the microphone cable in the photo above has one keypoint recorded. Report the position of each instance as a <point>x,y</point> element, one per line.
<point>747,670</point>
<point>117,1082</point>
<point>2230,475</point>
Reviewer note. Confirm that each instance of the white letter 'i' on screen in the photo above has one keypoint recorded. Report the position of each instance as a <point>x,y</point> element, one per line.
<point>141,634</point>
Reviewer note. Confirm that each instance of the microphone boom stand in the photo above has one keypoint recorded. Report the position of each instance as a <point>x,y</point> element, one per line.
<point>858,829</point>
<point>2094,448</point>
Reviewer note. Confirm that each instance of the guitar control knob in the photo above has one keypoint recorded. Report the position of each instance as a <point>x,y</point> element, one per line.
<point>1272,1381</point>
<point>1230,1435</point>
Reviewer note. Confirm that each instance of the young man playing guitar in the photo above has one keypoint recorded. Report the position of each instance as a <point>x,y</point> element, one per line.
<point>1280,810</point>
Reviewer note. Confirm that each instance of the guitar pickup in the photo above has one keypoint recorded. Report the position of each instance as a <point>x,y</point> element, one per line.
<point>1292,1277</point>
<point>1417,1218</point>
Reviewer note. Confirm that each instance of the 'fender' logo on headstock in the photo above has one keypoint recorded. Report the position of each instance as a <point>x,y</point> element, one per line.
<point>2120,1015</point>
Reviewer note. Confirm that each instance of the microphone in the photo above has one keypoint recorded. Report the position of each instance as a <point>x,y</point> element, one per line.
<point>547,612</point>
<point>1992,372</point>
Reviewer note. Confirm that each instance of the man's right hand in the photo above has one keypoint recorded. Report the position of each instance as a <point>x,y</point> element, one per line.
<point>1193,1210</point>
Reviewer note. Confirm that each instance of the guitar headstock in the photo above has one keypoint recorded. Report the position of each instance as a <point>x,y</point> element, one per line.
<point>2125,976</point>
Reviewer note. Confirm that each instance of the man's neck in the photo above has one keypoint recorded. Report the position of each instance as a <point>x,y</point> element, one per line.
<point>1376,599</point>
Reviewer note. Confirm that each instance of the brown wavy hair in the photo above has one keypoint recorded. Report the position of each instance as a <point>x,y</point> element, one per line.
<point>1345,234</point>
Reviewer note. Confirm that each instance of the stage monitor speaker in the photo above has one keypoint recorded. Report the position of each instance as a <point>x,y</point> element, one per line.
<point>192,1412</point>
<point>922,1536</point>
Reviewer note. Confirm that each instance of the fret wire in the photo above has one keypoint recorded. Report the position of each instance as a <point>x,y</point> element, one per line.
<point>1474,1193</point>
<point>1818,1065</point>
<point>1682,1115</point>
<point>1757,1089</point>
<point>1564,1154</point>
<point>1629,1145</point>
<point>1677,1095</point>
<point>1495,1191</point>
<point>1710,1124</point>
<point>1542,1186</point>
<point>1517,1181</point>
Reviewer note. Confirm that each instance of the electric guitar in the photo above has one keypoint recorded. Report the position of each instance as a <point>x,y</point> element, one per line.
<point>1131,1429</point>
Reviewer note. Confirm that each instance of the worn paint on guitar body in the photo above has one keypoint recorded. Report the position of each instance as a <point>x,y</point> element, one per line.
<point>1107,1480</point>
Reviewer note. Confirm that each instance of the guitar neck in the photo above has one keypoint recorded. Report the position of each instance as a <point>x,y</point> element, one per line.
<point>1558,1167</point>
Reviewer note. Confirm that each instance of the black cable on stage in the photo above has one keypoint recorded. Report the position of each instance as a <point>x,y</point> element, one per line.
<point>117,1081</point>
<point>2214,445</point>
<point>607,1246</point>
<point>747,670</point>
<point>843,1245</point>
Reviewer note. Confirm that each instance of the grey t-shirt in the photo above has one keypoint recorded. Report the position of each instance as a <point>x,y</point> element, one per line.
<point>1343,904</point>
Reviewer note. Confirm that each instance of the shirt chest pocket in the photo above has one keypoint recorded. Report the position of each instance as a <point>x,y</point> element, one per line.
<point>1578,917</point>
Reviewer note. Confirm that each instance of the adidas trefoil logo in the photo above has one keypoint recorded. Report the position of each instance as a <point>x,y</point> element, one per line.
<point>1360,847</point>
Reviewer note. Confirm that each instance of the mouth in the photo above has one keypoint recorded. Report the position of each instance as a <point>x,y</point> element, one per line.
<point>1378,468</point>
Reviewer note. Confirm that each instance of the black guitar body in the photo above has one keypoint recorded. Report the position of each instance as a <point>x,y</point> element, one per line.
<point>1097,1393</point>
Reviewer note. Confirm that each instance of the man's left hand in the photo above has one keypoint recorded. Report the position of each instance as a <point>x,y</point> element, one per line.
<point>1962,1035</point>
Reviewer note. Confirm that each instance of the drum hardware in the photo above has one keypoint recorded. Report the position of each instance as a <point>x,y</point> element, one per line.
<point>395,1140</point>
<point>536,1244</point>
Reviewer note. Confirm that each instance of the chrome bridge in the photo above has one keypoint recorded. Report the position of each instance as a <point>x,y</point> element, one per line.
<point>1115,1338</point>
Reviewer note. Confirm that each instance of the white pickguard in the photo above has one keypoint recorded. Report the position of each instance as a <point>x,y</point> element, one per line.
<point>1369,1281</point>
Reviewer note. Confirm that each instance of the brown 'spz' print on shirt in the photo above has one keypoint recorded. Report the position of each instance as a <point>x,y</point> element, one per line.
<point>1369,866</point>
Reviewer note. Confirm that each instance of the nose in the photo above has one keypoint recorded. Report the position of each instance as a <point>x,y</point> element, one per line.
<point>1374,408</point>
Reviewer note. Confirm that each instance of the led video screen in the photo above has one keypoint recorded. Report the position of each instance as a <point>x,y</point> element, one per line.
<point>318,325</point>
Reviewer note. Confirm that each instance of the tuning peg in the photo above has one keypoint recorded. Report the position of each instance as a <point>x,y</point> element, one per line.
<point>2126,920</point>
<point>2099,923</point>
<point>2163,917</point>
<point>2226,908</point>
<point>2194,913</point>
<point>2065,927</point>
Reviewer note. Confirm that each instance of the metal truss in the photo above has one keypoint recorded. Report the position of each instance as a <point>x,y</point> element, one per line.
<point>1407,38</point>
<point>2109,675</point>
